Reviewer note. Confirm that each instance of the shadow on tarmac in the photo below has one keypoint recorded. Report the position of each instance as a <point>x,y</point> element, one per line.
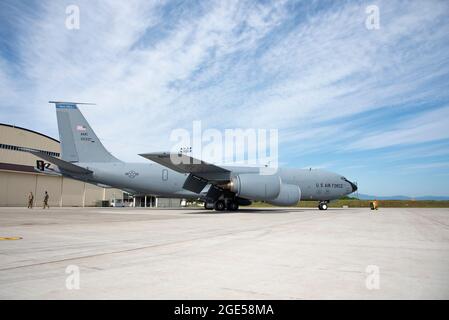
<point>248,210</point>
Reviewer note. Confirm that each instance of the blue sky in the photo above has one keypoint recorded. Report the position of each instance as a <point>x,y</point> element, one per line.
<point>370,104</point>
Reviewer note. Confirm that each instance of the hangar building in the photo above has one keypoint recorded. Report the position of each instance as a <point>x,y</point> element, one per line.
<point>18,177</point>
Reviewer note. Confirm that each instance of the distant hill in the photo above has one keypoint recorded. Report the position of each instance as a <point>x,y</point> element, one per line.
<point>371,197</point>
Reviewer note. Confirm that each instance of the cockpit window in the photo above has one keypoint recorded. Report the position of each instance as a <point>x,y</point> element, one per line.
<point>353,185</point>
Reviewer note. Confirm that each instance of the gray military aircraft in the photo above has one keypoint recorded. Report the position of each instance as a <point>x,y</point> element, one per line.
<point>83,157</point>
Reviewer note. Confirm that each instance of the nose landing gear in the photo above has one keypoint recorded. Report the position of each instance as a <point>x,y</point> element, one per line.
<point>323,205</point>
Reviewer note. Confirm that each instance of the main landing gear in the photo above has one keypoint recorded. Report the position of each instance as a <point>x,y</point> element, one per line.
<point>219,205</point>
<point>222,205</point>
<point>323,205</point>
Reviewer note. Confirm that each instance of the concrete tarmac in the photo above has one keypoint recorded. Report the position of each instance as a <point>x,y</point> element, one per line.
<point>288,253</point>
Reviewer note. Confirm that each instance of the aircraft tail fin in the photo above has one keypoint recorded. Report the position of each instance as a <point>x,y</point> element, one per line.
<point>79,143</point>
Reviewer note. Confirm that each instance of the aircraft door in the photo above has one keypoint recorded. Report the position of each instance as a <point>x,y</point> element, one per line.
<point>164,175</point>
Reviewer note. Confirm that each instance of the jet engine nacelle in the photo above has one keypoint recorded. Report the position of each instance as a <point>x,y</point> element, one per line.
<point>289,195</point>
<point>255,186</point>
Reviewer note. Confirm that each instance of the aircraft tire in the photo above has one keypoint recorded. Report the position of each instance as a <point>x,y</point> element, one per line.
<point>208,207</point>
<point>233,206</point>
<point>219,205</point>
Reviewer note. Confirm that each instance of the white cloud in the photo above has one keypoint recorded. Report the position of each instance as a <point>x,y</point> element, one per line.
<point>231,64</point>
<point>425,127</point>
<point>431,165</point>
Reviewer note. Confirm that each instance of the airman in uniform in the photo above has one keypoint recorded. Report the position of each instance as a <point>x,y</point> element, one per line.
<point>30,200</point>
<point>46,197</point>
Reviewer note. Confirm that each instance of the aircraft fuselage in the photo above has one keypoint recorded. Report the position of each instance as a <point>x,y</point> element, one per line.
<point>154,179</point>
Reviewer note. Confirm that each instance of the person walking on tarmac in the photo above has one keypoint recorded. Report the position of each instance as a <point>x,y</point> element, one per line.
<point>30,200</point>
<point>46,197</point>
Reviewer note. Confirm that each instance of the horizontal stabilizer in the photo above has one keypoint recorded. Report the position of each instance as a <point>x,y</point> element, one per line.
<point>63,165</point>
<point>48,171</point>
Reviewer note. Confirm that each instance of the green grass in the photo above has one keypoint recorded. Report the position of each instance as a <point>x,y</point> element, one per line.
<point>355,203</point>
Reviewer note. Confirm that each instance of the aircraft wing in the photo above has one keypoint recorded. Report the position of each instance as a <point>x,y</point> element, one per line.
<point>183,163</point>
<point>200,173</point>
<point>64,165</point>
